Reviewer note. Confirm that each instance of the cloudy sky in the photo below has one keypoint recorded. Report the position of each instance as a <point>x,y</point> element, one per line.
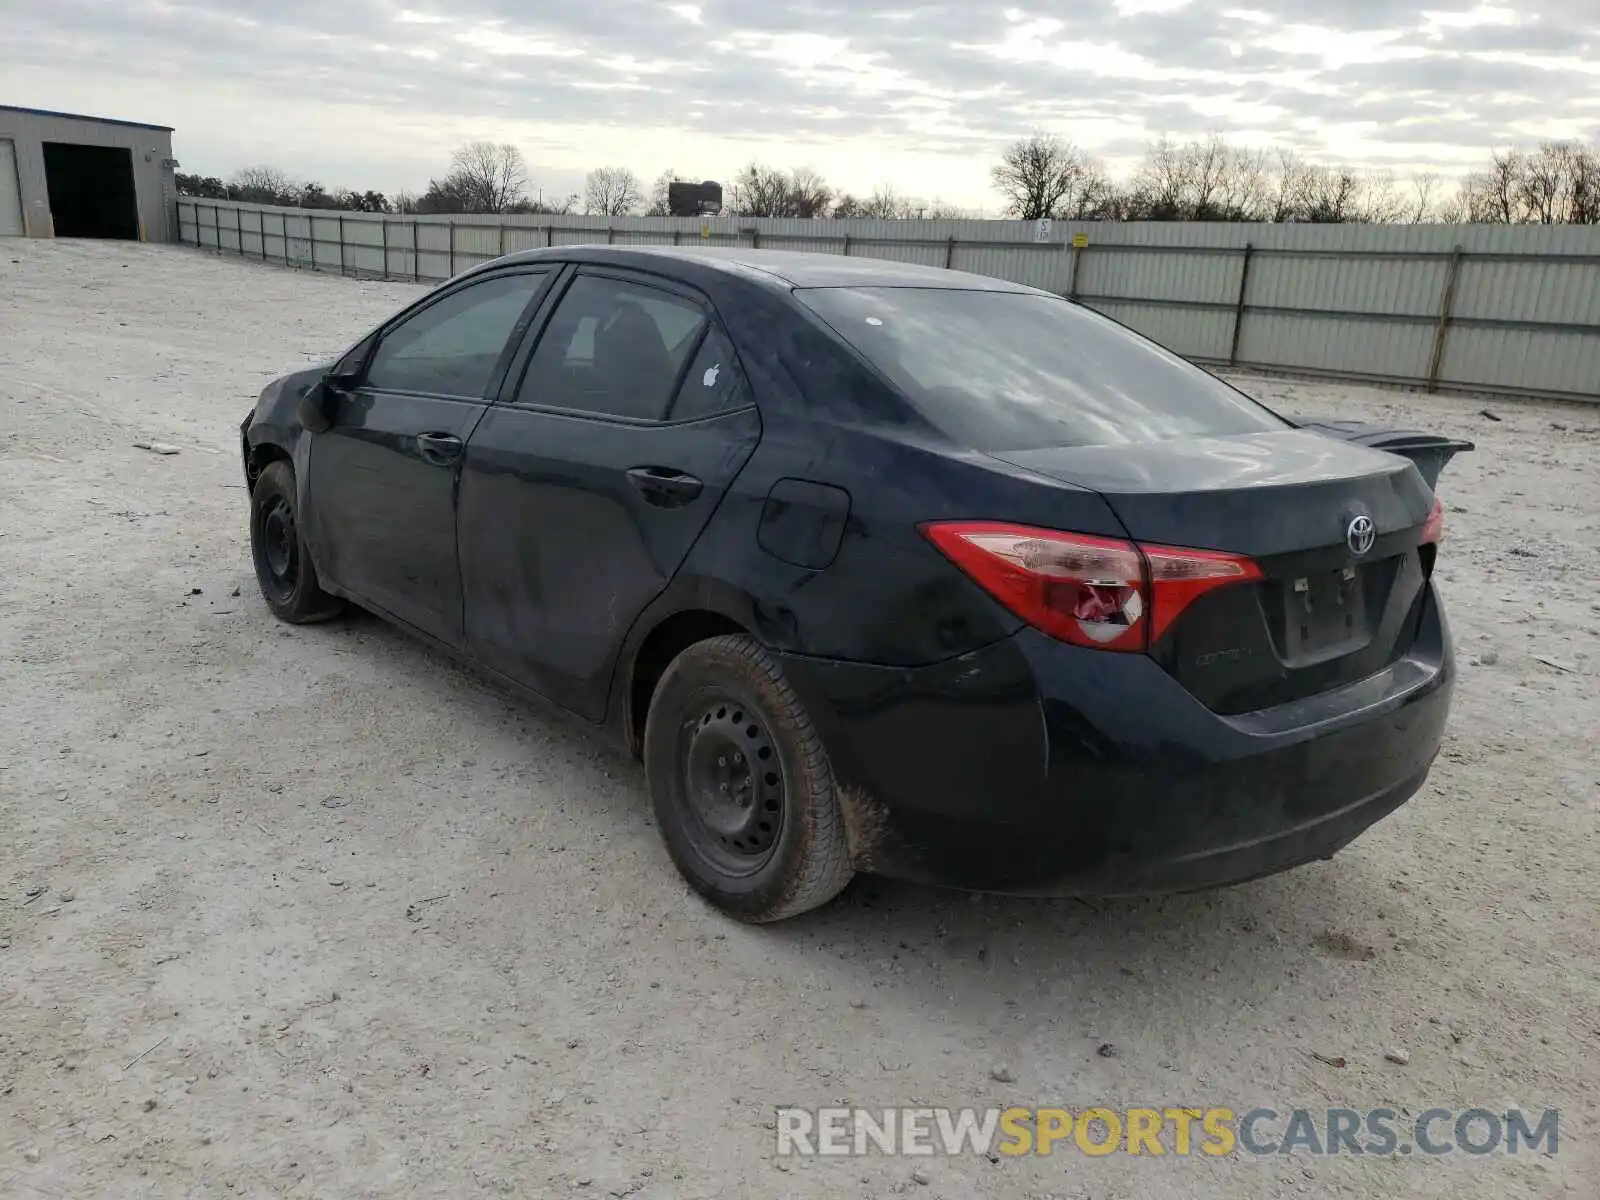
<point>375,93</point>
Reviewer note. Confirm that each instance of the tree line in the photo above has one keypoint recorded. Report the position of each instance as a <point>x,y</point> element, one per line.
<point>1037,176</point>
<point>1210,180</point>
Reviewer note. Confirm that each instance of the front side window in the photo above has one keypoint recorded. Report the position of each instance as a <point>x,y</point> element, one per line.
<point>451,347</point>
<point>614,348</point>
<point>1004,371</point>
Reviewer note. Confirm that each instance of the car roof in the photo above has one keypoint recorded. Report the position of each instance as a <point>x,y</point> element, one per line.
<point>791,268</point>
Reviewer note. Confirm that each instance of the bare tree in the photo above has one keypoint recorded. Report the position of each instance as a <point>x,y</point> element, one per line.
<point>1332,194</point>
<point>1158,190</point>
<point>1558,184</point>
<point>263,185</point>
<point>762,191</point>
<point>1200,181</point>
<point>809,193</point>
<point>1377,200</point>
<point>612,191</point>
<point>1245,189</point>
<point>1426,199</point>
<point>660,193</point>
<point>1206,166</point>
<point>1452,209</point>
<point>1289,196</point>
<point>1541,184</point>
<point>1042,176</point>
<point>487,177</point>
<point>1500,185</point>
<point>848,206</point>
<point>560,206</point>
<point>1585,199</point>
<point>942,210</point>
<point>888,205</point>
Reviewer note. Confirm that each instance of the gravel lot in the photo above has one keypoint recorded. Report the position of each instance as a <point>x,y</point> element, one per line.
<point>325,915</point>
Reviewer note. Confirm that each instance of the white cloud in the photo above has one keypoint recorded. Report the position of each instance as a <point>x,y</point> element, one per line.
<point>377,92</point>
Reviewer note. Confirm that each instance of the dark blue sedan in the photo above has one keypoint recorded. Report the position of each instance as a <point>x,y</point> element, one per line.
<point>877,567</point>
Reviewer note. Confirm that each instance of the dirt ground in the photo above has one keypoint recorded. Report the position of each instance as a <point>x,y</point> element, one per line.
<point>325,915</point>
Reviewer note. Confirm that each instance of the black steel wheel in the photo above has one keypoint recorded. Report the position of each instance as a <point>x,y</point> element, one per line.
<point>741,785</point>
<point>284,570</point>
<point>280,547</point>
<point>733,781</point>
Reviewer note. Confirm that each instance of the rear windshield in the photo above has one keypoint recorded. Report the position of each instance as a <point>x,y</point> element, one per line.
<point>1016,371</point>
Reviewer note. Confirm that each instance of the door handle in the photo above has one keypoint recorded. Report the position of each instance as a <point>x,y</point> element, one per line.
<point>665,487</point>
<point>441,449</point>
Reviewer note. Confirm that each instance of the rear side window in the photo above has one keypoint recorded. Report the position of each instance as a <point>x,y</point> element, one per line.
<point>451,347</point>
<point>713,382</point>
<point>1014,371</point>
<point>614,348</point>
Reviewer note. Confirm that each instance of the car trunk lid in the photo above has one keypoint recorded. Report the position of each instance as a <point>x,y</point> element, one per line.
<point>1334,526</point>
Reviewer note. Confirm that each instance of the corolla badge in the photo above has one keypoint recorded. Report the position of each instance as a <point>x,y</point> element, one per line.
<point>1360,535</point>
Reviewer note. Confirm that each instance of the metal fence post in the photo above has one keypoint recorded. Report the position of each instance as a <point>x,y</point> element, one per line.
<point>1441,331</point>
<point>847,245</point>
<point>1072,280</point>
<point>261,232</point>
<point>341,242</point>
<point>416,255</point>
<point>502,241</point>
<point>238,229</point>
<point>1238,304</point>
<point>611,234</point>
<point>549,235</point>
<point>451,227</point>
<point>383,237</point>
<point>949,253</point>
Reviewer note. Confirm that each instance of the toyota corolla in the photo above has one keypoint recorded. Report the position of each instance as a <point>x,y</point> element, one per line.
<point>876,567</point>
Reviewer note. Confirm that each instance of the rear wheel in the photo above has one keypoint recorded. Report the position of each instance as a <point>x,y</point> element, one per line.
<point>284,571</point>
<point>741,785</point>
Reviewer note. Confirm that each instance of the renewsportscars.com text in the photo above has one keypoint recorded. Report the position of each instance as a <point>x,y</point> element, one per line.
<point>1180,1131</point>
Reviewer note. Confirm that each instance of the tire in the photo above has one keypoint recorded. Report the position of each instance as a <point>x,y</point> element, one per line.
<point>741,786</point>
<point>284,570</point>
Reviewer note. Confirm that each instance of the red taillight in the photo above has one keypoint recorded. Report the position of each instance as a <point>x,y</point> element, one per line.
<point>1100,592</point>
<point>1433,527</point>
<point>1179,577</point>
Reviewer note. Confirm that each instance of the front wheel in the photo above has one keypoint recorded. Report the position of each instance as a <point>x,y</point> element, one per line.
<point>284,571</point>
<point>741,785</point>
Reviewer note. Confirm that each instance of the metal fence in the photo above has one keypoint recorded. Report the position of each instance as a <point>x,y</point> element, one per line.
<point>1510,310</point>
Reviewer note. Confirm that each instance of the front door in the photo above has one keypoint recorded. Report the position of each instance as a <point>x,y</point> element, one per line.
<point>585,490</point>
<point>382,479</point>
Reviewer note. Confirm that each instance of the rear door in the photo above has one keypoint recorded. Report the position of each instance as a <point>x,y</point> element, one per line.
<point>584,489</point>
<point>382,479</point>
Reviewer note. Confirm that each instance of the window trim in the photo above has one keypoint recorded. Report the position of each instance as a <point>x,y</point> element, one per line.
<point>549,272</point>
<point>517,370</point>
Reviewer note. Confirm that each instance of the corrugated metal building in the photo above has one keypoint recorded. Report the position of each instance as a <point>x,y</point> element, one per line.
<point>63,175</point>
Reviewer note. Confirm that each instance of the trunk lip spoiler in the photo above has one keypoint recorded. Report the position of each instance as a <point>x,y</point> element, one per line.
<point>1430,453</point>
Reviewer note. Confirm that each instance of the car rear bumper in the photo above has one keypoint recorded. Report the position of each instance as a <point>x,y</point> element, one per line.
<point>1036,767</point>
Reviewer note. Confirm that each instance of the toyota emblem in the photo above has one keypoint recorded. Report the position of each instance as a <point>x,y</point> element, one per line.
<point>1360,535</point>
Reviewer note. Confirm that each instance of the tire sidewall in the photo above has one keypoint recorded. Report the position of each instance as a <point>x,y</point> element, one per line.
<point>687,682</point>
<point>277,481</point>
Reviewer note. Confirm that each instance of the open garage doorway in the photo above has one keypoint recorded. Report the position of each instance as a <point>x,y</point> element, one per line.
<point>91,191</point>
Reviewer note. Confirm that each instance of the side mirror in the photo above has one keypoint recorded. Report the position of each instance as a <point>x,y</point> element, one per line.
<point>312,410</point>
